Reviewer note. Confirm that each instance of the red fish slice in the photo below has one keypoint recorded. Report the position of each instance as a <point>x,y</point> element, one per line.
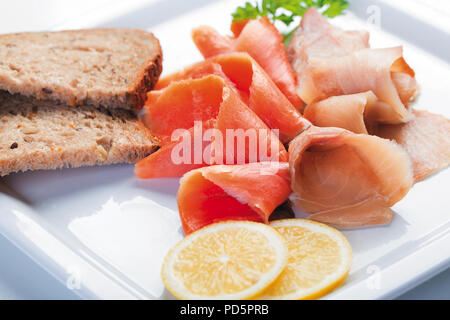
<point>246,130</point>
<point>251,82</point>
<point>262,41</point>
<point>240,192</point>
<point>229,114</point>
<point>181,104</point>
<point>347,179</point>
<point>168,161</point>
<point>197,71</point>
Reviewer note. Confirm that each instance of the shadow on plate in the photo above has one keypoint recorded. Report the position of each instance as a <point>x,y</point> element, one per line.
<point>154,14</point>
<point>38,186</point>
<point>168,186</point>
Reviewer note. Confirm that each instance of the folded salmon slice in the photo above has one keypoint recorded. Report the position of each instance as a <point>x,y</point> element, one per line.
<point>347,179</point>
<point>262,41</point>
<point>193,135</point>
<point>196,71</point>
<point>240,192</point>
<point>181,104</point>
<point>426,139</point>
<point>170,161</point>
<point>241,73</point>
<point>242,137</point>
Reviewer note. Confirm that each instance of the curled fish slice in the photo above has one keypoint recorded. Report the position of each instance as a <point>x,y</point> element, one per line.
<point>205,123</point>
<point>261,40</point>
<point>180,104</point>
<point>317,38</point>
<point>352,112</point>
<point>361,71</point>
<point>371,212</point>
<point>330,62</point>
<point>426,139</point>
<point>243,74</point>
<point>244,137</point>
<point>239,192</point>
<point>169,162</point>
<point>334,172</point>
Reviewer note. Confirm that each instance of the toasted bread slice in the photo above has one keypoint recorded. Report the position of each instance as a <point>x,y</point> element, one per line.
<point>41,134</point>
<point>112,68</point>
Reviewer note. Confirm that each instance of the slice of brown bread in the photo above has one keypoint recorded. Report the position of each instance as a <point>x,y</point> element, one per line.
<point>40,134</point>
<point>113,68</point>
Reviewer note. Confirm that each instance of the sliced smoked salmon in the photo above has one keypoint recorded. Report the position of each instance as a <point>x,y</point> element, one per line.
<point>196,71</point>
<point>254,87</point>
<point>346,179</point>
<point>261,40</point>
<point>228,131</point>
<point>171,160</point>
<point>210,42</point>
<point>426,139</point>
<point>244,137</point>
<point>240,192</point>
<point>181,104</point>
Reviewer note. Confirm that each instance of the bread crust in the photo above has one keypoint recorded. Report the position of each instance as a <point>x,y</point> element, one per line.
<point>131,97</point>
<point>50,124</point>
<point>42,134</point>
<point>145,81</point>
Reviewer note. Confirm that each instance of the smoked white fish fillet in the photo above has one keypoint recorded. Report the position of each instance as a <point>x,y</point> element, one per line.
<point>345,179</point>
<point>361,71</point>
<point>317,38</point>
<point>355,112</point>
<point>426,139</point>
<point>332,62</point>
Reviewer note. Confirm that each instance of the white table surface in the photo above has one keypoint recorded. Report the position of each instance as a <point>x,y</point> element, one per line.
<point>22,278</point>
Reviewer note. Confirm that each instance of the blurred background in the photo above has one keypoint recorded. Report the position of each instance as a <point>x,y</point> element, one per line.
<point>22,278</point>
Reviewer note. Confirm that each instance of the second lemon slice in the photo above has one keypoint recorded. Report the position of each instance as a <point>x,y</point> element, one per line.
<point>319,260</point>
<point>228,260</point>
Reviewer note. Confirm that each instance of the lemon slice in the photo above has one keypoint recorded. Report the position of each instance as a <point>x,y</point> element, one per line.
<point>228,260</point>
<point>319,260</point>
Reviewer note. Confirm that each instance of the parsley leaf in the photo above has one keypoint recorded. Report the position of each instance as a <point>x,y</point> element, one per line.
<point>246,12</point>
<point>335,8</point>
<point>287,10</point>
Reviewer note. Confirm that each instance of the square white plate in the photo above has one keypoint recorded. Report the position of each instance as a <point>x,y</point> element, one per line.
<point>103,233</point>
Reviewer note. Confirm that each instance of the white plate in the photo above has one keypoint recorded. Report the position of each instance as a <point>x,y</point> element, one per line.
<point>103,233</point>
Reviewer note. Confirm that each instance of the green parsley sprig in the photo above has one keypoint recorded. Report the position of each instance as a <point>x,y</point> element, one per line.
<point>287,10</point>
